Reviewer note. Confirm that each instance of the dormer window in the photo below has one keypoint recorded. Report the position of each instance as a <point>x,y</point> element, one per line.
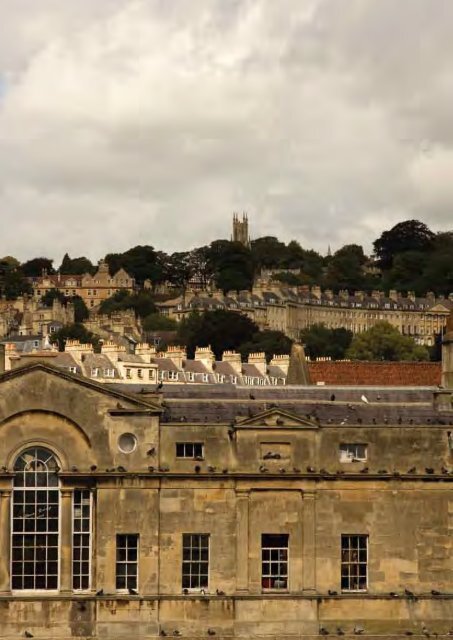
<point>94,372</point>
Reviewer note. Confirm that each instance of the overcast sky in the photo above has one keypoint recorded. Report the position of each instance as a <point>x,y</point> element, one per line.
<point>127,122</point>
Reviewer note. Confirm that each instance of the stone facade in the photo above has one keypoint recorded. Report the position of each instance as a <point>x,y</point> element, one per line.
<point>92,289</point>
<point>241,230</point>
<point>201,485</point>
<point>292,309</point>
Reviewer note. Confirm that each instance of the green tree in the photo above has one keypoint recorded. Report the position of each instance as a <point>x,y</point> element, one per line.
<point>158,322</point>
<point>141,302</point>
<point>34,268</point>
<point>81,312</point>
<point>268,252</point>
<point>271,342</point>
<point>219,329</point>
<point>345,268</point>
<point>140,262</point>
<point>384,342</point>
<point>48,298</point>
<point>13,283</point>
<point>76,266</point>
<point>75,332</point>
<point>232,265</point>
<point>321,342</point>
<point>410,235</point>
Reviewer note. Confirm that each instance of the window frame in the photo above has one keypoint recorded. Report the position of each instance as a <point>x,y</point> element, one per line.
<point>24,488</point>
<point>270,561</point>
<point>126,562</point>
<point>346,457</point>
<point>357,563</point>
<point>90,540</point>
<point>191,563</point>
<point>187,456</point>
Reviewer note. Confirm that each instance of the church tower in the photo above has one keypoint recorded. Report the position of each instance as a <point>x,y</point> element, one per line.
<point>241,230</point>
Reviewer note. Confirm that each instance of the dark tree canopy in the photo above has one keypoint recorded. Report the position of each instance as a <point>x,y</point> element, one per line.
<point>76,266</point>
<point>141,262</point>
<point>75,332</point>
<point>35,267</point>
<point>13,283</point>
<point>220,329</point>
<point>321,342</point>
<point>271,342</point>
<point>345,268</point>
<point>141,302</point>
<point>232,264</point>
<point>410,235</point>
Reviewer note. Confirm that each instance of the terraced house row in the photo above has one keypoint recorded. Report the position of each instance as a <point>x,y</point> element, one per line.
<point>292,309</point>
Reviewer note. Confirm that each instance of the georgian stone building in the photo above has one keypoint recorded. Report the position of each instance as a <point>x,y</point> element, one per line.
<point>292,309</point>
<point>93,289</point>
<point>293,512</point>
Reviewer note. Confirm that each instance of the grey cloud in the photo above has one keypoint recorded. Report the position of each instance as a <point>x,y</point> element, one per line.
<point>127,122</point>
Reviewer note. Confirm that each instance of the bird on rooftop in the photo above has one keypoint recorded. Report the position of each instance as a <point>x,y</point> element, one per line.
<point>100,592</point>
<point>211,632</point>
<point>340,631</point>
<point>93,467</point>
<point>412,470</point>
<point>119,405</point>
<point>151,451</point>
<point>332,398</point>
<point>251,396</point>
<point>311,470</point>
<point>74,468</point>
<point>121,469</point>
<point>364,470</point>
<point>151,469</point>
<point>263,469</point>
<point>332,593</point>
<point>429,470</point>
<point>159,386</point>
<point>28,634</point>
<point>219,592</point>
<point>133,592</point>
<point>323,631</point>
<point>435,593</point>
<point>359,630</point>
<point>185,591</point>
<point>211,469</point>
<point>363,398</point>
<point>409,593</point>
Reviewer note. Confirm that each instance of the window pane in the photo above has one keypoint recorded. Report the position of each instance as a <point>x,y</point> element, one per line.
<point>36,512</point>
<point>195,560</point>
<point>354,562</point>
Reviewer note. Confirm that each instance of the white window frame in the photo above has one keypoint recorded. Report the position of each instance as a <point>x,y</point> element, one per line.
<point>94,372</point>
<point>275,556</point>
<point>126,563</point>
<point>172,375</point>
<point>349,560</point>
<point>88,533</point>
<point>188,450</point>
<point>191,568</point>
<point>350,452</point>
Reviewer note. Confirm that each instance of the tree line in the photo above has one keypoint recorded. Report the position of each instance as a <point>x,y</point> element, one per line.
<point>407,257</point>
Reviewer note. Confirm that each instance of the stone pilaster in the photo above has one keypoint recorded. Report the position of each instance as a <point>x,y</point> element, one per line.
<point>242,540</point>
<point>5,540</point>
<point>66,540</point>
<point>309,541</point>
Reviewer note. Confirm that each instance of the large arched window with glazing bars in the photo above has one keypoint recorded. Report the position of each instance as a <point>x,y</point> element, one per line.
<point>36,525</point>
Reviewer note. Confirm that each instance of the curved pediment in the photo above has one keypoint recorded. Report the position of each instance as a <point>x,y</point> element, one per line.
<point>276,418</point>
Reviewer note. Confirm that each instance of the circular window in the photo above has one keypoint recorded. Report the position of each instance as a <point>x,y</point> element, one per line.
<point>127,442</point>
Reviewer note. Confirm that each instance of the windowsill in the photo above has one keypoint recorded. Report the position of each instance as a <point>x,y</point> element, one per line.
<point>346,592</point>
<point>263,590</point>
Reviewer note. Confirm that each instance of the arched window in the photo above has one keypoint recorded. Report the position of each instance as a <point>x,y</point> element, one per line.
<point>35,525</point>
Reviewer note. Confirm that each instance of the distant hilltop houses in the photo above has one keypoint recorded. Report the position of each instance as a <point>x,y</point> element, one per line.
<point>293,309</point>
<point>93,289</point>
<point>270,303</point>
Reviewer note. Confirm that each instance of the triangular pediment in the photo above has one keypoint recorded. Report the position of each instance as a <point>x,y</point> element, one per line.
<point>276,419</point>
<point>121,402</point>
<point>440,308</point>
